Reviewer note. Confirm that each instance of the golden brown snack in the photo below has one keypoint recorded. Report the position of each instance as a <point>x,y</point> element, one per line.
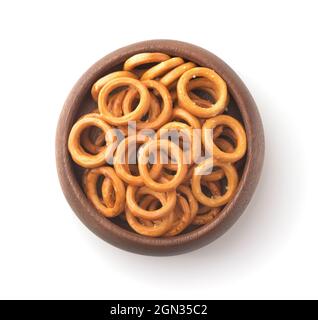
<point>161,68</point>
<point>182,114</point>
<point>90,183</point>
<point>209,214</point>
<point>182,217</point>
<point>157,229</point>
<point>186,192</point>
<point>144,58</point>
<point>168,147</point>
<point>232,181</point>
<point>166,110</point>
<point>137,114</point>
<point>236,127</point>
<point>219,87</point>
<point>79,155</point>
<point>98,85</point>
<point>173,75</point>
<point>167,200</point>
<point>120,161</point>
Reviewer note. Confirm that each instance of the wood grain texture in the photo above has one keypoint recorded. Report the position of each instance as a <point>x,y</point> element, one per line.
<point>79,101</point>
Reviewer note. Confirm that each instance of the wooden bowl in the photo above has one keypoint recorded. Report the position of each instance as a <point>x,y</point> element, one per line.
<point>115,232</point>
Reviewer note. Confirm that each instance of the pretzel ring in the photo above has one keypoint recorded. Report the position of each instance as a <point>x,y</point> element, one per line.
<point>182,216</point>
<point>96,146</point>
<point>123,171</point>
<point>161,68</point>
<point>218,174</point>
<point>108,193</point>
<point>156,230</point>
<point>201,102</point>
<point>239,132</point>
<point>141,109</point>
<point>119,188</point>
<point>153,112</point>
<point>210,215</point>
<point>143,158</point>
<point>165,113</point>
<point>79,155</point>
<point>167,200</point>
<point>220,90</point>
<point>176,73</point>
<point>232,181</point>
<point>207,86</point>
<point>203,85</point>
<point>182,114</point>
<point>185,130</point>
<point>115,103</point>
<point>193,203</point>
<point>99,141</point>
<point>149,203</point>
<point>144,58</point>
<point>173,167</point>
<point>98,85</point>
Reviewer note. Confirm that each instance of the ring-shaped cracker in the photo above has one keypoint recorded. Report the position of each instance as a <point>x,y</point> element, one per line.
<point>219,87</point>
<point>140,110</point>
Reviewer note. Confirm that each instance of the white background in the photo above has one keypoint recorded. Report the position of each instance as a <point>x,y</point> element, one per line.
<point>46,252</point>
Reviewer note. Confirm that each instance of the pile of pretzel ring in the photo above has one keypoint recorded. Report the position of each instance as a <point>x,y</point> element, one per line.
<point>158,92</point>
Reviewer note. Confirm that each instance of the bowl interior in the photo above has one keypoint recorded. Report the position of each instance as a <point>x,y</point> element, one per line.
<point>87,104</point>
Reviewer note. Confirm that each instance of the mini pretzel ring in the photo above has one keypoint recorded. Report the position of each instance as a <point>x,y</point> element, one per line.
<point>92,147</point>
<point>119,161</point>
<point>98,85</point>
<point>108,193</point>
<point>176,73</point>
<point>161,68</point>
<point>144,58</point>
<point>218,174</point>
<point>115,103</point>
<point>150,203</point>
<point>143,158</point>
<point>185,132</point>
<point>207,86</point>
<point>224,145</point>
<point>154,109</point>
<point>174,167</point>
<point>157,229</point>
<point>79,155</point>
<point>210,215</point>
<point>119,190</point>
<point>141,109</point>
<point>165,113</point>
<point>204,85</point>
<point>182,216</point>
<point>232,181</point>
<point>239,132</point>
<point>153,113</point>
<point>168,202</point>
<point>219,88</point>
<point>193,203</point>
<point>182,114</point>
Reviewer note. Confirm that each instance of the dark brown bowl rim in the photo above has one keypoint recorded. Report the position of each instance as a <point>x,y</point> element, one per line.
<point>129,240</point>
